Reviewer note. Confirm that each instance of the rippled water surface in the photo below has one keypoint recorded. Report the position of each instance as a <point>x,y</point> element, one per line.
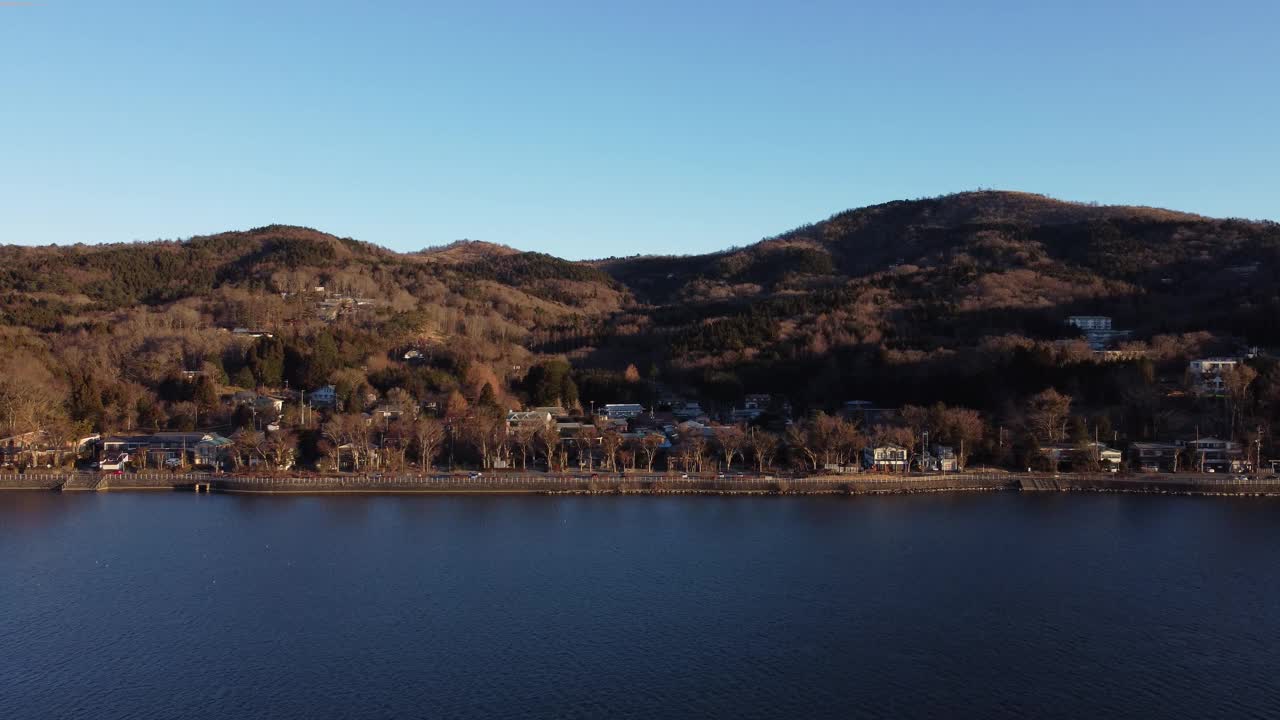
<point>977,605</point>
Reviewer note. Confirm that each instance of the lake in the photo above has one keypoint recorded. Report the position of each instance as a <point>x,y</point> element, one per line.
<point>981,605</point>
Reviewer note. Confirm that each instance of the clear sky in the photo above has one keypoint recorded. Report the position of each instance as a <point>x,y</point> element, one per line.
<point>588,128</point>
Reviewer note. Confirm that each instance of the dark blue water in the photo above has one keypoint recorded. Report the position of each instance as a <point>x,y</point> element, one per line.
<point>978,605</point>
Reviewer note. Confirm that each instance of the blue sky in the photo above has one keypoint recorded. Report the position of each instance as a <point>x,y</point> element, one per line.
<point>589,129</point>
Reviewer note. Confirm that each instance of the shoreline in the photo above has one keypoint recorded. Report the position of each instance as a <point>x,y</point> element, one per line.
<point>654,485</point>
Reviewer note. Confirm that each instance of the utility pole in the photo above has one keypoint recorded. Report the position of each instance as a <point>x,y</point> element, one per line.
<point>1257,441</point>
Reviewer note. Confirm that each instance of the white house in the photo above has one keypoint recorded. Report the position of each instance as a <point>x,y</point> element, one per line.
<point>621,411</point>
<point>535,419</point>
<point>888,457</point>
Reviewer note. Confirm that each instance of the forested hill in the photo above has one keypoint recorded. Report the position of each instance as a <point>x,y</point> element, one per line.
<point>959,298</point>
<point>913,299</point>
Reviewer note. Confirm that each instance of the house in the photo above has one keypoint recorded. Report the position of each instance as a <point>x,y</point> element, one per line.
<point>1206,375</point>
<point>386,413</point>
<point>885,458</point>
<point>244,397</point>
<point>555,411</point>
<point>326,396</point>
<point>691,428</point>
<point>269,403</point>
<point>567,429</point>
<point>532,419</point>
<point>260,403</point>
<point>1214,455</point>
<point>1155,456</point>
<point>35,447</point>
<point>940,458</point>
<point>753,406</point>
<point>1097,330</point>
<point>250,333</point>
<point>621,411</point>
<point>194,448</point>
<point>1071,455</point>
<point>1090,322</point>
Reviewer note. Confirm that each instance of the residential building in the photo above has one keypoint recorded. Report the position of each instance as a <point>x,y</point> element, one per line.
<point>1206,375</point>
<point>326,396</point>
<point>194,448</point>
<point>269,403</point>
<point>940,458</point>
<point>250,333</point>
<point>885,458</point>
<point>34,448</point>
<point>753,406</point>
<point>689,411</point>
<point>534,419</point>
<point>1064,454</point>
<point>386,413</point>
<point>1214,455</point>
<point>1155,456</point>
<point>621,411</point>
<point>1090,322</point>
<point>1097,330</point>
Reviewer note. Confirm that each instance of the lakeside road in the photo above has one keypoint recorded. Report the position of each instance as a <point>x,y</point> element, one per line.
<point>518,483</point>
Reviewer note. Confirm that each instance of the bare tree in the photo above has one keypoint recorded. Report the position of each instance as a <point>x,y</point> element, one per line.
<point>428,437</point>
<point>486,431</point>
<point>548,444</point>
<point>523,441</point>
<point>648,447</point>
<point>1047,413</point>
<point>693,449</point>
<point>801,443</point>
<point>585,439</point>
<point>764,446</point>
<point>281,447</point>
<point>729,441</point>
<point>610,443</point>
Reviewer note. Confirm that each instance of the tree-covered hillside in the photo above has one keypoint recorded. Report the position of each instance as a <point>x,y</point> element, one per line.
<point>959,299</point>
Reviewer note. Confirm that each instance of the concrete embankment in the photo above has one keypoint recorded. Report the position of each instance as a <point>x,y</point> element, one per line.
<point>643,484</point>
<point>31,481</point>
<point>93,482</point>
<point>613,484</point>
<point>1185,484</point>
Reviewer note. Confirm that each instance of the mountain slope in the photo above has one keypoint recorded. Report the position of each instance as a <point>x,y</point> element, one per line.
<point>928,281</point>
<point>960,298</point>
